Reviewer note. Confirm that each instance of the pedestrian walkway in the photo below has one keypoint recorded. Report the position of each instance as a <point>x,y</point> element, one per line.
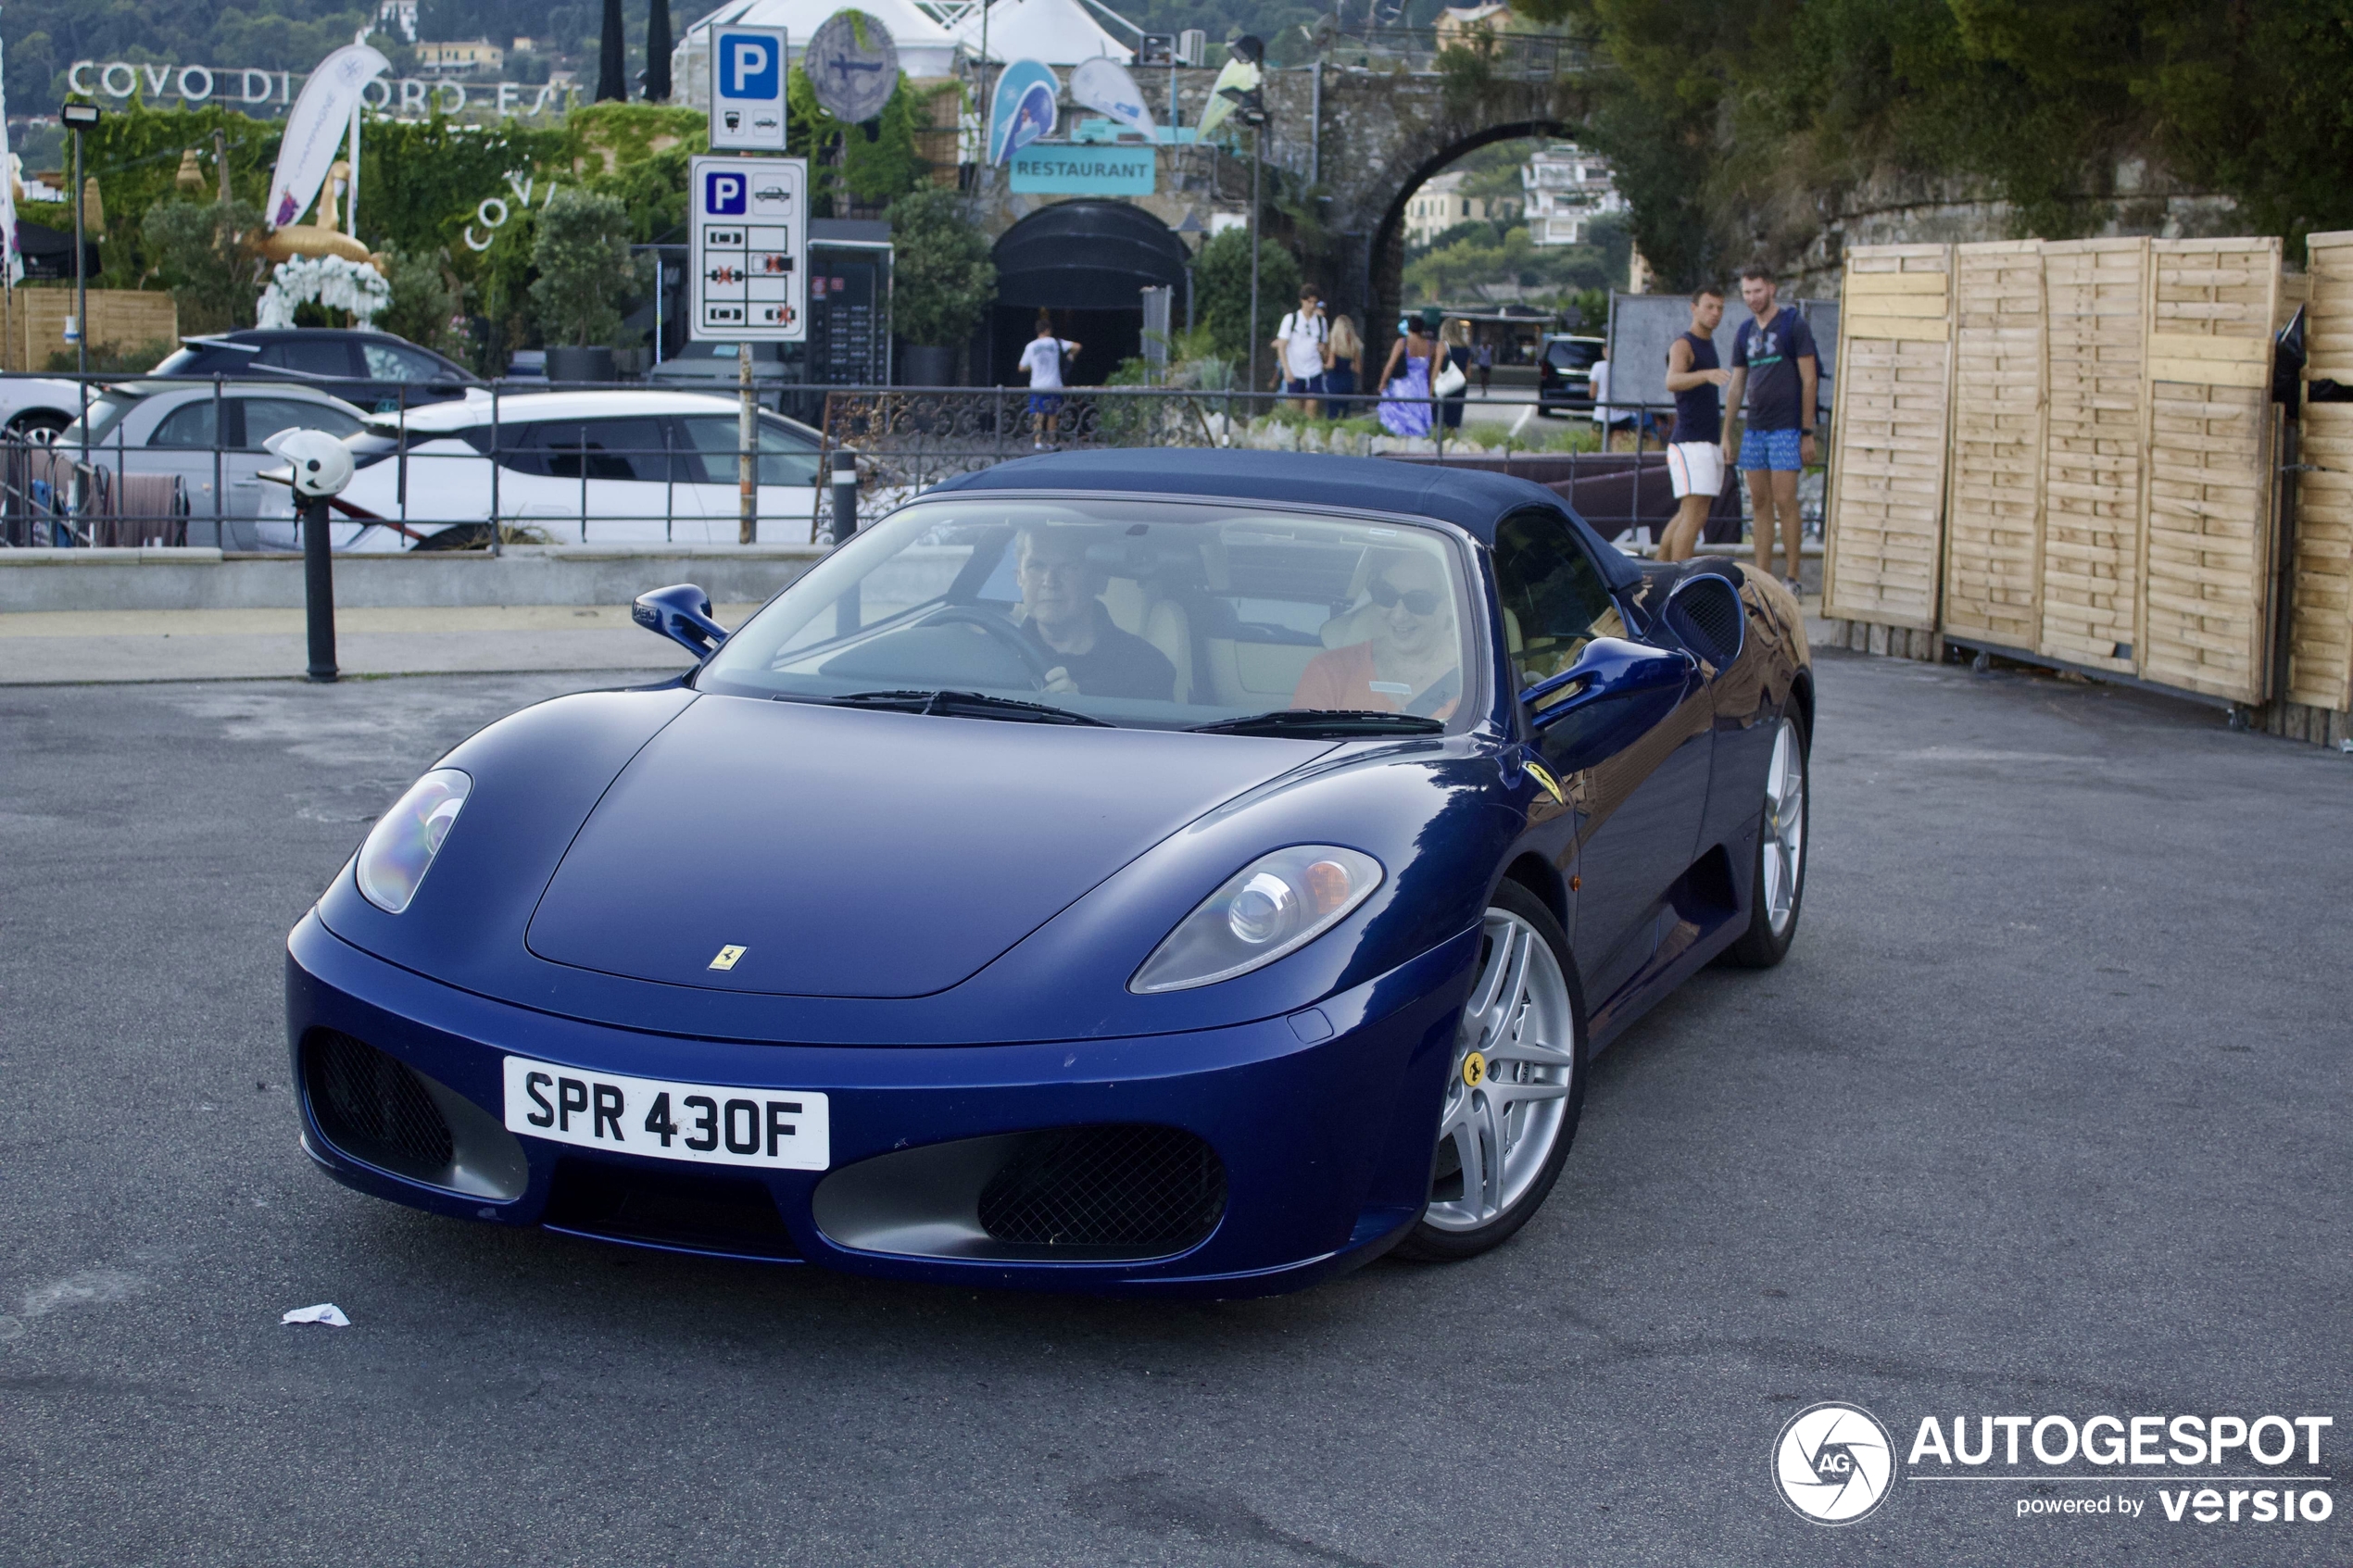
<point>81,647</point>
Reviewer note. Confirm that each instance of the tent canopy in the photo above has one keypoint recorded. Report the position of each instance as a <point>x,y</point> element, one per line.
<point>1054,33</point>
<point>925,49</point>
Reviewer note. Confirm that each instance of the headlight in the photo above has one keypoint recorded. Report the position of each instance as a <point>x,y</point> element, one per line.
<point>401,846</point>
<point>1276,904</point>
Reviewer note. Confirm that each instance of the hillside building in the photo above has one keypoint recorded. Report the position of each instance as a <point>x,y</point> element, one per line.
<point>1566,188</point>
<point>1441,203</point>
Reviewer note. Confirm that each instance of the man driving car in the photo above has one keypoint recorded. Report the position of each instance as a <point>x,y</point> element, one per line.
<point>1071,631</point>
<point>1412,663</point>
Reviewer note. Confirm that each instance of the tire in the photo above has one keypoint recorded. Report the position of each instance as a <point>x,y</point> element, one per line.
<point>38,425</point>
<point>1777,887</point>
<point>1525,1017</point>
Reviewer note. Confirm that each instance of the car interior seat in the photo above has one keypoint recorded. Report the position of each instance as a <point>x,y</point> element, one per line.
<point>1139,606</point>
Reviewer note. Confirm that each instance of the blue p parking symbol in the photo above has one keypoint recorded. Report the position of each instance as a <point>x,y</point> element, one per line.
<point>748,66</point>
<point>723,194</point>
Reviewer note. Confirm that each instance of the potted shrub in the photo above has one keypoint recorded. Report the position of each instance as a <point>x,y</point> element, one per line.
<point>585,272</point>
<point>942,282</point>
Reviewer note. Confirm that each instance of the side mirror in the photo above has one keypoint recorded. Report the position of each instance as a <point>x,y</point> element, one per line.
<point>682,613</point>
<point>1615,691</point>
<point>446,387</point>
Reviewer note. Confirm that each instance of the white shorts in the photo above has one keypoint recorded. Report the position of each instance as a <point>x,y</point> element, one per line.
<point>1695,468</point>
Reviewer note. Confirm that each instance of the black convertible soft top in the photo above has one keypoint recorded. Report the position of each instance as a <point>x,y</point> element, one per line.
<point>1469,498</point>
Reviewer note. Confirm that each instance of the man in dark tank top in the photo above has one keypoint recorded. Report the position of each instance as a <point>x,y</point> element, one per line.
<point>1695,454</point>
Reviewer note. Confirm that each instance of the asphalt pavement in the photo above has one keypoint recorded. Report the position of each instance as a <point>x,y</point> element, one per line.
<point>2046,1114</point>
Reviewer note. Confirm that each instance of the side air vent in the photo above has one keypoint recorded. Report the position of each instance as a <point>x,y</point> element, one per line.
<point>1705,613</point>
<point>1153,1189</point>
<point>376,1108</point>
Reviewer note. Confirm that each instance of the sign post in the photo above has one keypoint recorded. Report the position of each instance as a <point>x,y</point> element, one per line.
<point>748,72</point>
<point>749,228</point>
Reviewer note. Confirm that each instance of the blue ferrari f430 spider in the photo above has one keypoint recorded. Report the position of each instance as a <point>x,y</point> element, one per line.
<point>1164,872</point>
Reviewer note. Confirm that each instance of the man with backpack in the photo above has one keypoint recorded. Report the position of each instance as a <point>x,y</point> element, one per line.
<point>1299,343</point>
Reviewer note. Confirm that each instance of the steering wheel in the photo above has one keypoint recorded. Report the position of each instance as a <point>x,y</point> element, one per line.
<point>1000,629</point>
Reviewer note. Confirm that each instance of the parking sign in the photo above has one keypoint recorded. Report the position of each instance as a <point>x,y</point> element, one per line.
<point>749,218</point>
<point>748,78</point>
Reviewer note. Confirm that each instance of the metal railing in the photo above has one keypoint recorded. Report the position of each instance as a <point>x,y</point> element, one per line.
<point>570,480</point>
<point>1512,55</point>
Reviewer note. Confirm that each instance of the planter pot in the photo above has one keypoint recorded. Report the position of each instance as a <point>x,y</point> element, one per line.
<point>926,366</point>
<point>573,365</point>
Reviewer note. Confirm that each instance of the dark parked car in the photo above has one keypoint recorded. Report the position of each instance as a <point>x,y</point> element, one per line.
<point>1564,374</point>
<point>376,371</point>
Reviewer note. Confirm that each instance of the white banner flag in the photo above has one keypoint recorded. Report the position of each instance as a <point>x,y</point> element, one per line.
<point>1104,86</point>
<point>13,268</point>
<point>315,129</point>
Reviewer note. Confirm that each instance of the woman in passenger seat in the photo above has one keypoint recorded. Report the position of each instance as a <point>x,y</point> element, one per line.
<point>1412,663</point>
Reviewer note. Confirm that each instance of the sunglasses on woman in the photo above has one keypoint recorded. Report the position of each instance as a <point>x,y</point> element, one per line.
<point>1417,601</point>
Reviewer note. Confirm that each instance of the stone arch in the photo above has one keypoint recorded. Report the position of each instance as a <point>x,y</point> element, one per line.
<point>1383,285</point>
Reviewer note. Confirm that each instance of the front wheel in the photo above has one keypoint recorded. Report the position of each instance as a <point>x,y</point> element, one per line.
<point>1514,1090</point>
<point>1778,887</point>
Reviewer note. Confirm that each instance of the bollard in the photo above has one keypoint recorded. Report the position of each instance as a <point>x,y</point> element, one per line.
<point>318,589</point>
<point>845,496</point>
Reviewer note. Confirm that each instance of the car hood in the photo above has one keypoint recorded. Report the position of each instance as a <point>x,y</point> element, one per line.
<point>850,853</point>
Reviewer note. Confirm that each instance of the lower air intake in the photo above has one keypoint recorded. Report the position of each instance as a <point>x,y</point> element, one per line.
<point>684,1210</point>
<point>374,1107</point>
<point>1153,1189</point>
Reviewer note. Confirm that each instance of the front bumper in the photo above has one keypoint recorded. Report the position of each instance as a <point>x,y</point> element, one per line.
<point>1323,1121</point>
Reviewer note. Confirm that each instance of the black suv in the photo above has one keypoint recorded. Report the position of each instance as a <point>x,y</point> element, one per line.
<point>376,371</point>
<point>1564,374</point>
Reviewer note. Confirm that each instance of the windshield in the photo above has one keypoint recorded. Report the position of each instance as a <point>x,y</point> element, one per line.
<point>1160,614</point>
<point>105,413</point>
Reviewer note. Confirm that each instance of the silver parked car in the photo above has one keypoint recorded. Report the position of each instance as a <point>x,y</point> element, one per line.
<point>208,438</point>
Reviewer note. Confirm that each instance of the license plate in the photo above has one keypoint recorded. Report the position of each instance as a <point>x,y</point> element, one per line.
<point>781,1129</point>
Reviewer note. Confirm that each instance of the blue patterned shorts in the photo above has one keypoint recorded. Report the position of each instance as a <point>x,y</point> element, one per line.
<point>1774,449</point>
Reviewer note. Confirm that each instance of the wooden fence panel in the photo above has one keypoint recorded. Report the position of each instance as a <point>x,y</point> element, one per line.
<point>2320,673</point>
<point>121,319</point>
<point>1993,529</point>
<point>2099,294</point>
<point>1886,532</point>
<point>2207,507</point>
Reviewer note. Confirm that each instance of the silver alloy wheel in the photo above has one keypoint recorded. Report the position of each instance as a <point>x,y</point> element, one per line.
<point>1503,1113</point>
<point>1784,828</point>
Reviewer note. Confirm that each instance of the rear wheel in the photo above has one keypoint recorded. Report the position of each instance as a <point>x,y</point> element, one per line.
<point>1778,890</point>
<point>1516,1088</point>
<point>38,426</point>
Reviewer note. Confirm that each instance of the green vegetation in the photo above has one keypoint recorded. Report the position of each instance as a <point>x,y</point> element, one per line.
<point>943,281</point>
<point>1498,262</point>
<point>199,250</point>
<point>585,270</point>
<point>1221,276</point>
<point>1728,120</point>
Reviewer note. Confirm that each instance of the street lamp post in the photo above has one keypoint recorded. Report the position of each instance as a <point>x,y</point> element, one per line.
<point>80,117</point>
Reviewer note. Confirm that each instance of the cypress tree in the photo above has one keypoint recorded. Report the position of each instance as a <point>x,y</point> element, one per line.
<point>658,52</point>
<point>612,57</point>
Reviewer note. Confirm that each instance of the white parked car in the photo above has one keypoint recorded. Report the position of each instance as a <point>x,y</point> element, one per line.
<point>38,406</point>
<point>177,427</point>
<point>609,466</point>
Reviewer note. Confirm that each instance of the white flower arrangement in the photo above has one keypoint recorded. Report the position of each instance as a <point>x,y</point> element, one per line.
<point>323,279</point>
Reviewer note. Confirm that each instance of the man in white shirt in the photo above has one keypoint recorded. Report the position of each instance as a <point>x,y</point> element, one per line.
<point>1043,361</point>
<point>1300,341</point>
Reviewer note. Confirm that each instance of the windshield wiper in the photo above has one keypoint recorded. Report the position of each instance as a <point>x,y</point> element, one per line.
<point>968,705</point>
<point>1324,723</point>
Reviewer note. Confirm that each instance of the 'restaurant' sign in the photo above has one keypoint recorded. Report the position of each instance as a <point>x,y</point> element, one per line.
<point>266,90</point>
<point>1060,169</point>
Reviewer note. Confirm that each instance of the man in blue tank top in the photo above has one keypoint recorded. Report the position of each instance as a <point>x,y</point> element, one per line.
<point>1694,454</point>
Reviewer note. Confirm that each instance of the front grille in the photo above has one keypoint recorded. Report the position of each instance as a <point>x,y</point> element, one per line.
<point>730,1214</point>
<point>1127,1187</point>
<point>372,1107</point>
